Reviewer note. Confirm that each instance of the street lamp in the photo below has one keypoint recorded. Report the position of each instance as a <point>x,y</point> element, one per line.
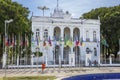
<point>43,8</point>
<point>4,65</point>
<point>7,21</point>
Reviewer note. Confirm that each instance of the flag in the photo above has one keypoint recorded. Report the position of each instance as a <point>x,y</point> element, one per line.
<point>32,41</point>
<point>9,51</point>
<point>6,41</point>
<point>3,40</point>
<point>81,42</point>
<point>69,43</point>
<point>65,42</point>
<point>26,41</point>
<point>60,41</point>
<point>55,42</point>
<point>21,41</point>
<point>9,41</point>
<point>44,43</point>
<point>77,42</point>
<point>103,41</point>
<point>38,40</point>
<point>13,40</point>
<point>49,41</point>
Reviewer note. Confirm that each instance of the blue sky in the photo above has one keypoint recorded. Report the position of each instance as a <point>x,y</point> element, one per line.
<point>75,7</point>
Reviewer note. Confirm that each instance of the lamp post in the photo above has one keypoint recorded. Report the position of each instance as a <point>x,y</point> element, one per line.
<point>43,8</point>
<point>5,54</point>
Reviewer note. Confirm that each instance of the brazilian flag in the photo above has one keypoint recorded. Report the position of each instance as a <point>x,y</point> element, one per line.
<point>104,42</point>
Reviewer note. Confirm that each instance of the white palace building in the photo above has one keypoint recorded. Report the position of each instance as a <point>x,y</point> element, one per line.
<point>56,28</point>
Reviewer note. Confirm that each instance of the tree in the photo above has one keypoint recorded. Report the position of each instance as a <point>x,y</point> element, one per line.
<point>20,24</point>
<point>110,22</point>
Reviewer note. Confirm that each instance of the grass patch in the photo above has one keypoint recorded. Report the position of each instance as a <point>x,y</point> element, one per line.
<point>1,78</point>
<point>31,78</point>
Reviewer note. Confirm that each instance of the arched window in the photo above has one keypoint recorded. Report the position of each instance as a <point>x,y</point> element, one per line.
<point>37,32</point>
<point>94,36</point>
<point>95,52</point>
<point>46,34</point>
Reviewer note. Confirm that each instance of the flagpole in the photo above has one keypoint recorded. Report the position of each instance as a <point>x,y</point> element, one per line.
<point>25,49</point>
<point>13,52</point>
<point>37,57</point>
<point>3,44</point>
<point>54,58</point>
<point>18,50</point>
<point>59,59</point>
<point>79,54</point>
<point>76,56</point>
<point>54,51</point>
<point>46,56</point>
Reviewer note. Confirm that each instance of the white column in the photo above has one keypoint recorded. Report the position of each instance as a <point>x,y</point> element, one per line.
<point>59,58</point>
<point>4,60</point>
<point>41,33</point>
<point>71,34</point>
<point>32,59</point>
<point>52,33</point>
<point>98,52</point>
<point>110,59</point>
<point>62,46</point>
<point>18,60</point>
<point>46,57</point>
<point>72,59</point>
<point>62,32</point>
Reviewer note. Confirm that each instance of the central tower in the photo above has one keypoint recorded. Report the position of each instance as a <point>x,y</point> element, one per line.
<point>57,11</point>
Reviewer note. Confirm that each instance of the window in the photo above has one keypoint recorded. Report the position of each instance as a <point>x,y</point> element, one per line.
<point>94,36</point>
<point>87,50</point>
<point>37,32</point>
<point>46,34</point>
<point>95,52</point>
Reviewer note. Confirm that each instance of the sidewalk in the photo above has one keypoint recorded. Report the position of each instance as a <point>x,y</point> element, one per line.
<point>58,72</point>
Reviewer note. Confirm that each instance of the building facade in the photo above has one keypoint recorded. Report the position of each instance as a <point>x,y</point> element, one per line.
<point>58,29</point>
